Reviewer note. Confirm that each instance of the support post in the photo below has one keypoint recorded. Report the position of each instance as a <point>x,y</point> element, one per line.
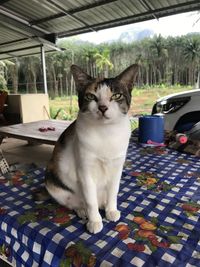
<point>44,69</point>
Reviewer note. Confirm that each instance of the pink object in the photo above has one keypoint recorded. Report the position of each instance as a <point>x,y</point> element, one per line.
<point>181,138</point>
<point>150,142</point>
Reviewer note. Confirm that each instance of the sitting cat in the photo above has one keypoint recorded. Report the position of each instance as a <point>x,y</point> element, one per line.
<point>86,166</point>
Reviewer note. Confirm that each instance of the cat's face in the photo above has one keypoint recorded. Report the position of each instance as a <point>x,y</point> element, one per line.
<point>105,100</point>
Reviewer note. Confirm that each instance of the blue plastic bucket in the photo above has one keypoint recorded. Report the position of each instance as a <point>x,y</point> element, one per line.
<point>151,129</point>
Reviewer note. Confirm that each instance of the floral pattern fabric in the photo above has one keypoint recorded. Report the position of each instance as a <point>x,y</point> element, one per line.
<point>159,200</point>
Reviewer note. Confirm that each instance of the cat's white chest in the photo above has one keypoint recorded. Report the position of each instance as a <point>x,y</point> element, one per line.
<point>105,142</point>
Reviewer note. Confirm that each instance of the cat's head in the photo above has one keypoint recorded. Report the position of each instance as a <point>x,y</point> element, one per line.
<point>105,100</point>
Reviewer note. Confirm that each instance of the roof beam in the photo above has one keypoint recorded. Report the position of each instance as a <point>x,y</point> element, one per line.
<point>22,41</point>
<point>9,18</point>
<point>136,18</point>
<point>148,7</point>
<point>55,4</point>
<point>52,17</point>
<point>3,2</point>
<point>24,27</point>
<point>13,28</point>
<point>20,49</point>
<point>24,55</point>
<point>13,42</point>
<point>44,42</point>
<point>72,11</point>
<point>93,5</point>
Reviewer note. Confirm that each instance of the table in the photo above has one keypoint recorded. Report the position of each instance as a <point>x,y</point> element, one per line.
<point>159,200</point>
<point>30,131</point>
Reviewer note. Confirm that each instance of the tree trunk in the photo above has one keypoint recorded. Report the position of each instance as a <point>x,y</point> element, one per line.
<point>71,95</point>
<point>106,72</point>
<point>34,83</point>
<point>50,87</point>
<point>55,84</point>
<point>197,85</point>
<point>61,86</point>
<point>147,75</point>
<point>15,79</point>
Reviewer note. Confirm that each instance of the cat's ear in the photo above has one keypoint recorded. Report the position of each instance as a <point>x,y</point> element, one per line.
<point>81,78</point>
<point>128,76</point>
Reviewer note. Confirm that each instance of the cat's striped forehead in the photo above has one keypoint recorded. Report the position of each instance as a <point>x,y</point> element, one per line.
<point>108,86</point>
<point>100,89</point>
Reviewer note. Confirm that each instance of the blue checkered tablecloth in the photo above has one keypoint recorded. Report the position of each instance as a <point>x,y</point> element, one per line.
<point>159,200</point>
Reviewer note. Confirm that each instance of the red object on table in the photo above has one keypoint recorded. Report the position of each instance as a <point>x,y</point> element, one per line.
<point>43,129</point>
<point>51,128</point>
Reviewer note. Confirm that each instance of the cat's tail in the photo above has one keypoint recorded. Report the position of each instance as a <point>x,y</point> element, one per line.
<point>41,194</point>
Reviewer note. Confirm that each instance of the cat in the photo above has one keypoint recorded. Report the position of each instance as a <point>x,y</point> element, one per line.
<point>86,166</point>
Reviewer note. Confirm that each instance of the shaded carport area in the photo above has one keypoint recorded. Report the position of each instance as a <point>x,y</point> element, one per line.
<point>27,25</point>
<point>32,27</point>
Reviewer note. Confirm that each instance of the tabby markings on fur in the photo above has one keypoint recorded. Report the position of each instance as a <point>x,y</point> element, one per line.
<point>86,166</point>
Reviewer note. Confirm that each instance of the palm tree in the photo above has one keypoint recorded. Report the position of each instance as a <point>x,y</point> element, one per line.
<point>13,70</point>
<point>5,66</point>
<point>3,83</point>
<point>103,61</point>
<point>30,67</point>
<point>88,56</point>
<point>51,75</point>
<point>160,54</point>
<point>192,55</point>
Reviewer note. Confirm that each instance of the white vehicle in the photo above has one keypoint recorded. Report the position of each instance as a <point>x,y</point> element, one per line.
<point>181,111</point>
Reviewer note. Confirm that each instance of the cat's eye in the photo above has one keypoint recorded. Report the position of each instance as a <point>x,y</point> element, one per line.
<point>90,97</point>
<point>117,97</point>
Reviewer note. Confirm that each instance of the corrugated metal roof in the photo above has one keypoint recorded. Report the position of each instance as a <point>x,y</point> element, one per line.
<point>23,21</point>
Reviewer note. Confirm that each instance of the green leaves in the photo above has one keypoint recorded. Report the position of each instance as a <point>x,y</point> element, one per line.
<point>78,254</point>
<point>27,218</point>
<point>174,239</point>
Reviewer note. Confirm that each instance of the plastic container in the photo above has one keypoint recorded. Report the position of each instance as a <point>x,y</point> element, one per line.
<point>181,138</point>
<point>151,130</point>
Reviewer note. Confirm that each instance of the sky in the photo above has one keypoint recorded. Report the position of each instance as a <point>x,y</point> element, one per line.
<point>175,25</point>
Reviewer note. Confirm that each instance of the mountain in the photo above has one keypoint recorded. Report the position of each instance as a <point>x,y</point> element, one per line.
<point>135,35</point>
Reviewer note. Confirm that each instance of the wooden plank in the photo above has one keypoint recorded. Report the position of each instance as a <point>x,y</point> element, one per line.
<point>30,131</point>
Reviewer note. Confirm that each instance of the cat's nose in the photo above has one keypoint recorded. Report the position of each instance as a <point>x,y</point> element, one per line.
<point>103,108</point>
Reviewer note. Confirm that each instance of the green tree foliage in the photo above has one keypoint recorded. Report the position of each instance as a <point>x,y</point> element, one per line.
<point>103,61</point>
<point>170,61</point>
<point>191,52</point>
<point>4,67</point>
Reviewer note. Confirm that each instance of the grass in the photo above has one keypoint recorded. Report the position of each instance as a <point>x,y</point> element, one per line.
<point>142,102</point>
<point>64,108</point>
<point>143,99</point>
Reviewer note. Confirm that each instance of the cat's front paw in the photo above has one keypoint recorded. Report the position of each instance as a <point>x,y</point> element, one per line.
<point>94,227</point>
<point>81,213</point>
<point>113,215</point>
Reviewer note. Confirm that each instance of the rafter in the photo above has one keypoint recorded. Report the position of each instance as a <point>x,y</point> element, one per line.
<point>161,12</point>
<point>59,7</point>
<point>22,40</point>
<point>3,2</point>
<point>23,27</point>
<point>20,49</point>
<point>72,12</point>
<point>11,19</point>
<point>148,6</point>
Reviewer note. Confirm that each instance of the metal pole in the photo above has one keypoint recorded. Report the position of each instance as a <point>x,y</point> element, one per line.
<point>44,69</point>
